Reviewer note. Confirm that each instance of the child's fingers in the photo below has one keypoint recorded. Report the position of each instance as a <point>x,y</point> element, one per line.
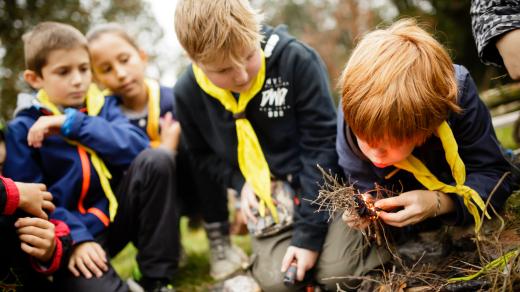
<point>100,257</point>
<point>49,206</point>
<point>34,241</point>
<point>33,222</point>
<point>93,263</point>
<point>389,203</point>
<point>47,196</point>
<point>83,268</point>
<point>72,267</point>
<point>395,219</point>
<point>27,248</point>
<point>287,260</point>
<point>300,270</point>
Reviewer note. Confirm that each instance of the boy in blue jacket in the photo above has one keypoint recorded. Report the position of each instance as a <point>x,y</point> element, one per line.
<point>106,188</point>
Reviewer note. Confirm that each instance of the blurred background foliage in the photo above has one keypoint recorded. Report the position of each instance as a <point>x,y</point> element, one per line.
<point>330,26</point>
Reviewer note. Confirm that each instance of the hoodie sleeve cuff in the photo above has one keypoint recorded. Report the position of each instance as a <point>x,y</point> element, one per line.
<point>54,264</point>
<point>73,120</point>
<point>13,196</point>
<point>237,182</point>
<point>308,237</point>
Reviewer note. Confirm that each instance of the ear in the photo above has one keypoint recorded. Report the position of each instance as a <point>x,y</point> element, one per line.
<point>143,56</point>
<point>33,79</point>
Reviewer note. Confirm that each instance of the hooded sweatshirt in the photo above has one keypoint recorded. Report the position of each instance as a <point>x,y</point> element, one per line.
<point>293,117</point>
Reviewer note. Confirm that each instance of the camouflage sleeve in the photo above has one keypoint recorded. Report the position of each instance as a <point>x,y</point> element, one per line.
<point>491,19</point>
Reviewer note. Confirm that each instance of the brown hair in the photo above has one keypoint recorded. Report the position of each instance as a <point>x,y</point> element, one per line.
<point>217,30</point>
<point>112,28</point>
<point>399,84</point>
<point>47,37</point>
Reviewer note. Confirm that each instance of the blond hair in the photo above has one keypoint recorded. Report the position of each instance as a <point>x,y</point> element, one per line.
<point>217,30</point>
<point>399,84</point>
<point>47,37</point>
<point>111,28</point>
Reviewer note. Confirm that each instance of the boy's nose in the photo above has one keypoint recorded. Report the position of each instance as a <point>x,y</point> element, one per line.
<point>76,78</point>
<point>241,76</point>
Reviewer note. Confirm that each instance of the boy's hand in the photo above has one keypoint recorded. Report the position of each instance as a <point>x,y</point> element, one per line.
<point>37,237</point>
<point>353,220</point>
<point>416,205</point>
<point>88,258</point>
<point>34,199</point>
<point>44,127</point>
<point>507,46</point>
<point>305,260</point>
<point>170,132</point>
<point>248,202</point>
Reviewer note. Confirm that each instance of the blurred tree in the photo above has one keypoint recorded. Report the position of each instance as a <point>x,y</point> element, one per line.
<point>333,26</point>
<point>450,22</point>
<point>18,16</point>
<point>330,27</point>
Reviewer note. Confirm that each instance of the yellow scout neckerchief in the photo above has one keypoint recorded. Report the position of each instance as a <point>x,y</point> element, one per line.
<point>153,90</point>
<point>94,101</point>
<point>251,159</point>
<point>472,200</point>
<point>154,112</point>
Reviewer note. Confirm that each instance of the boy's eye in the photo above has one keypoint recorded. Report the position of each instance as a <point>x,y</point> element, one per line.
<point>63,72</point>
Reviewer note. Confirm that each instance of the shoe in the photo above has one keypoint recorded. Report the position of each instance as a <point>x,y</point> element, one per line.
<point>149,285</point>
<point>226,259</point>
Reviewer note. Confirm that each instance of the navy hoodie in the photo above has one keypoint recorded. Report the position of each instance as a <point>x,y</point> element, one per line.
<point>293,117</point>
<point>478,149</point>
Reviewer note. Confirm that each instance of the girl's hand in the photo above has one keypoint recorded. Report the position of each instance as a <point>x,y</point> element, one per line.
<point>88,258</point>
<point>170,132</point>
<point>416,205</point>
<point>44,127</point>
<point>37,237</point>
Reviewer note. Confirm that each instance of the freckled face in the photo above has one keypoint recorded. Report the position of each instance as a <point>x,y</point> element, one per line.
<point>385,154</point>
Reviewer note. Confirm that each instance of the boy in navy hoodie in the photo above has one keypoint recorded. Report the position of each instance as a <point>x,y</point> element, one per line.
<point>105,187</point>
<point>256,110</point>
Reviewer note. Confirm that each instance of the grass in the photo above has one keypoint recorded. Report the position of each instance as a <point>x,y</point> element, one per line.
<point>194,276</point>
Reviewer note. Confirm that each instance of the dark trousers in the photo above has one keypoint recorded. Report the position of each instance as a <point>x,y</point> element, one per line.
<point>147,216</point>
<point>200,195</point>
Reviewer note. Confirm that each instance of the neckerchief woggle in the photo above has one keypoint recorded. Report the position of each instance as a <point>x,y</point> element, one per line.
<point>153,91</point>
<point>251,159</point>
<point>472,200</point>
<point>94,102</point>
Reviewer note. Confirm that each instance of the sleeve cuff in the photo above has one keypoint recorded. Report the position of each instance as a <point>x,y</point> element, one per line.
<point>13,196</point>
<point>237,182</point>
<point>54,263</point>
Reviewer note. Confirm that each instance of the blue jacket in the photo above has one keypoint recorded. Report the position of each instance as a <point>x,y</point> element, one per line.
<point>478,148</point>
<point>58,164</point>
